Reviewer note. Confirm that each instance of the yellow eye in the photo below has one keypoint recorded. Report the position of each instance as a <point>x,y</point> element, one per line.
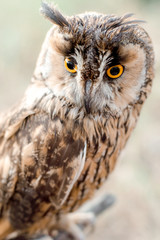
<point>70,65</point>
<point>115,71</point>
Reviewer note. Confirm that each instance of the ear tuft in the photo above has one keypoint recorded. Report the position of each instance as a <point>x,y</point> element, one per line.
<point>48,11</point>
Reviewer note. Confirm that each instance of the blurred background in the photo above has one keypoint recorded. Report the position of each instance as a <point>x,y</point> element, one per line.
<point>136,179</point>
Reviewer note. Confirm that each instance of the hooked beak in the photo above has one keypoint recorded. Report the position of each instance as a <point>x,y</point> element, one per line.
<point>87,97</point>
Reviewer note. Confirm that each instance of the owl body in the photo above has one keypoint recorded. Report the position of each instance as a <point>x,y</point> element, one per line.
<point>63,139</point>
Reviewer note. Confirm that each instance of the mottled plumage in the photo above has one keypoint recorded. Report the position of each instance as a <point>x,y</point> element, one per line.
<point>58,145</point>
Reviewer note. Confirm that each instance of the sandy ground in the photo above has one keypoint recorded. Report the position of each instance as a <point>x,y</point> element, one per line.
<point>135,181</point>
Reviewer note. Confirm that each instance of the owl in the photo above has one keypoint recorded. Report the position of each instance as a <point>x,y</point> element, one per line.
<point>61,141</point>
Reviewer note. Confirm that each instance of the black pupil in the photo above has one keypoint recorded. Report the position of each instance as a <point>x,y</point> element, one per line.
<point>115,71</point>
<point>70,65</point>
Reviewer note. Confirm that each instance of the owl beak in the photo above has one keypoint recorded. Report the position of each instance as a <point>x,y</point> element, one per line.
<point>87,96</point>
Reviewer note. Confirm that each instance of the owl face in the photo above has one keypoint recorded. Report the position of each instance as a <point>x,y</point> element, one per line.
<point>98,63</point>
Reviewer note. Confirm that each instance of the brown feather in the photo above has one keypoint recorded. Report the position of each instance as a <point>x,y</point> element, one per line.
<point>53,15</point>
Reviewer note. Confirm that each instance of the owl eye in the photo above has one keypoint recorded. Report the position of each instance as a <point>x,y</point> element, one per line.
<point>115,71</point>
<point>70,65</point>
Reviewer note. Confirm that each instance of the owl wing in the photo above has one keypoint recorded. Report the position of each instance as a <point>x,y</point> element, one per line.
<point>61,157</point>
<point>9,153</point>
<point>44,152</point>
<point>65,168</point>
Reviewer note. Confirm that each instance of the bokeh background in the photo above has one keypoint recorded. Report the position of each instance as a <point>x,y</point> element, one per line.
<point>136,179</point>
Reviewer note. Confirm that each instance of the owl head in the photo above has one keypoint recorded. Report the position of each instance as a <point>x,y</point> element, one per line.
<point>96,62</point>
